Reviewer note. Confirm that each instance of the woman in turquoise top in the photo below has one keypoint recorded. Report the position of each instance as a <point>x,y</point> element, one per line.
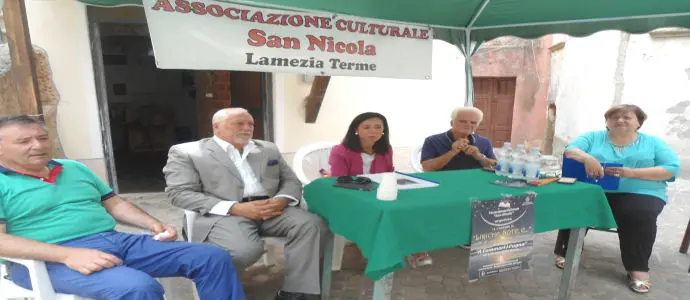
<point>648,164</point>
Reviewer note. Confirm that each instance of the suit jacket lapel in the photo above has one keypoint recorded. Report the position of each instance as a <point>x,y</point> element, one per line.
<point>257,160</point>
<point>217,153</point>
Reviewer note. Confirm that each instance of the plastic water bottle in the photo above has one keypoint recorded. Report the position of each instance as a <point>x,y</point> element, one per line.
<point>533,165</point>
<point>517,163</point>
<point>503,159</point>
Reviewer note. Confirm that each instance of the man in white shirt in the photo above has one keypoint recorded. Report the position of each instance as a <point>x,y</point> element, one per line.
<point>243,189</point>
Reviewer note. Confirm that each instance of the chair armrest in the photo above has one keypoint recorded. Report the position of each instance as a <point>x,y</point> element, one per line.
<point>303,204</point>
<point>40,281</point>
<point>190,217</point>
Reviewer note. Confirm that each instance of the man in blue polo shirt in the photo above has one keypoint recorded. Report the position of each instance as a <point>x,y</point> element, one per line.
<point>59,212</point>
<point>458,148</point>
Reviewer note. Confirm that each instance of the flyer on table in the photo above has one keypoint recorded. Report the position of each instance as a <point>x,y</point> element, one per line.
<point>215,35</point>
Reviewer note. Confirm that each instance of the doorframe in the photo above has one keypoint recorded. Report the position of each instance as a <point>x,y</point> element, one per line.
<point>102,97</point>
<point>267,104</point>
<point>267,97</point>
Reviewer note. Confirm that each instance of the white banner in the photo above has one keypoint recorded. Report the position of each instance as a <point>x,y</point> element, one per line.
<point>214,35</point>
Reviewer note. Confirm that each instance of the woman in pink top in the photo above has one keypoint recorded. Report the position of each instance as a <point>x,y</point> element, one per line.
<point>366,149</point>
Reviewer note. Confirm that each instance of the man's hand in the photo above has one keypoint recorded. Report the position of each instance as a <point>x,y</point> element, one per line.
<point>251,210</point>
<point>474,152</point>
<point>261,209</point>
<point>274,207</point>
<point>168,233</point>
<point>89,261</point>
<point>459,146</point>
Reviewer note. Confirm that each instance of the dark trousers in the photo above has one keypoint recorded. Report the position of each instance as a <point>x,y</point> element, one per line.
<point>636,216</point>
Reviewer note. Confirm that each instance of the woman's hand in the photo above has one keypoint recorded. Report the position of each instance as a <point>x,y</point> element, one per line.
<point>593,168</point>
<point>621,172</point>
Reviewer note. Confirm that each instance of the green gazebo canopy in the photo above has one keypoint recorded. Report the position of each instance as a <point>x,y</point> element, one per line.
<point>467,23</point>
<point>488,19</point>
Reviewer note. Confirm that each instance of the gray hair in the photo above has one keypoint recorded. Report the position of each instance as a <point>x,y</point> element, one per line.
<point>224,113</point>
<point>23,120</point>
<point>476,111</point>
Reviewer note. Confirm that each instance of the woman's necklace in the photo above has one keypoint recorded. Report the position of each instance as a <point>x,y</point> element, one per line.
<point>620,148</point>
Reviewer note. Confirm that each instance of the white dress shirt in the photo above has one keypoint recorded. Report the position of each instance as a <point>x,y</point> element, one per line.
<point>367,160</point>
<point>252,186</point>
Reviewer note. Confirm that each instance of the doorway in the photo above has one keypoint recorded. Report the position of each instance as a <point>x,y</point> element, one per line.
<point>496,98</point>
<point>145,110</point>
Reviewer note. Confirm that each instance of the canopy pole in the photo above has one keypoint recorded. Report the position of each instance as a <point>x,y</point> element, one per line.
<point>469,82</point>
<point>23,61</point>
<point>468,49</point>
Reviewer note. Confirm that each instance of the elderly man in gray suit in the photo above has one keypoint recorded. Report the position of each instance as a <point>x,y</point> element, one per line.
<point>242,188</point>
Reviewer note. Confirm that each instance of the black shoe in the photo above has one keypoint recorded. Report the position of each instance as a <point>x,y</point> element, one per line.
<point>290,296</point>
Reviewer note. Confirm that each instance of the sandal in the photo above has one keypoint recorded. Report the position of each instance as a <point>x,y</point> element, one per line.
<point>560,262</point>
<point>639,286</point>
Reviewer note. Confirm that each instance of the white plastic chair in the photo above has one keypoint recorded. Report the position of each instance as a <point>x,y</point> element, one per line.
<point>310,159</point>
<point>42,288</point>
<point>307,162</point>
<point>415,159</point>
<point>268,258</point>
<point>40,282</point>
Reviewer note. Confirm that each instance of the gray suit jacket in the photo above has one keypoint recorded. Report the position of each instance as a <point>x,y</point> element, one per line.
<point>200,174</point>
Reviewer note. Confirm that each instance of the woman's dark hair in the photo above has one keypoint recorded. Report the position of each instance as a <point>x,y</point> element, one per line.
<point>625,108</point>
<point>351,140</point>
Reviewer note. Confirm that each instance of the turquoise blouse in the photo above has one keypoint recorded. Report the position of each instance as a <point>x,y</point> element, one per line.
<point>645,152</point>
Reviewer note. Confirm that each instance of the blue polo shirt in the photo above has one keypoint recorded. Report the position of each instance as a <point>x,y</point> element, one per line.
<point>64,206</point>
<point>439,144</point>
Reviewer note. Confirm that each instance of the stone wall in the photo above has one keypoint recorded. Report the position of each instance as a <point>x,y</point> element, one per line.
<point>9,100</point>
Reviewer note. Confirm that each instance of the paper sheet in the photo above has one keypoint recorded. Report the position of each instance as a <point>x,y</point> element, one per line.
<point>405,181</point>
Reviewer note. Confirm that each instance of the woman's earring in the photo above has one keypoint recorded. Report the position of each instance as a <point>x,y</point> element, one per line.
<point>356,133</point>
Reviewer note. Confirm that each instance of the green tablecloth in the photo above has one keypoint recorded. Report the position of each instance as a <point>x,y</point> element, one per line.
<point>439,217</point>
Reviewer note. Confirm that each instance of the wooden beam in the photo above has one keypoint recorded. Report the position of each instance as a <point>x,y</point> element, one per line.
<point>315,98</point>
<point>22,55</point>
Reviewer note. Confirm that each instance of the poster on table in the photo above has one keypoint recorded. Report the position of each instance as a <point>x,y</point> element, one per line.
<point>215,35</point>
<point>502,235</point>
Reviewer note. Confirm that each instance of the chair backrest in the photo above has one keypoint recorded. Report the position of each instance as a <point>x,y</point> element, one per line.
<point>310,159</point>
<point>415,159</point>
